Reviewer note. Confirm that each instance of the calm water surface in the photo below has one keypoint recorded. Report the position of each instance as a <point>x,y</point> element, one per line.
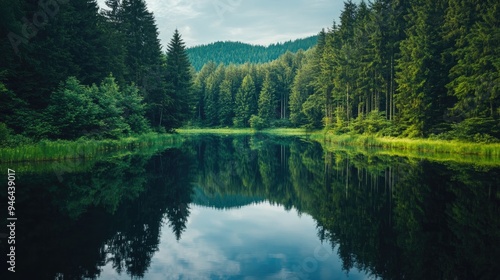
<point>256,207</point>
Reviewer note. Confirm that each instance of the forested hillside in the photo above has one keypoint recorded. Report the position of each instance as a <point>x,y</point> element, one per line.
<point>68,69</point>
<point>240,53</point>
<point>416,68</point>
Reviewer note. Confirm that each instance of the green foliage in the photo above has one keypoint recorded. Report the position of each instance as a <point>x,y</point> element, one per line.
<point>257,123</point>
<point>281,123</point>
<point>476,75</point>
<point>479,130</point>
<point>179,86</point>
<point>72,112</point>
<point>240,53</point>
<point>267,101</point>
<point>375,123</point>
<point>76,110</point>
<point>4,133</point>
<point>432,67</point>
<point>212,100</point>
<point>244,100</point>
<point>134,109</point>
<point>313,110</point>
<point>420,76</point>
<point>83,148</point>
<point>41,100</point>
<point>302,88</point>
<point>109,115</point>
<point>226,108</point>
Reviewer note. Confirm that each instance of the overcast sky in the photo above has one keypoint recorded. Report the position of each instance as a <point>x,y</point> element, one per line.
<point>250,21</point>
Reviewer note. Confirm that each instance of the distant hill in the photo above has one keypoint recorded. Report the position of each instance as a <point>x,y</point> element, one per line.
<point>240,53</point>
<point>218,201</point>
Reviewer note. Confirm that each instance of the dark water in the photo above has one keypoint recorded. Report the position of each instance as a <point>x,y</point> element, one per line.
<point>255,208</point>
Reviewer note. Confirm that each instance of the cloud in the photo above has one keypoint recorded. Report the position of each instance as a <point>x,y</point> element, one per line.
<point>259,241</point>
<point>252,21</point>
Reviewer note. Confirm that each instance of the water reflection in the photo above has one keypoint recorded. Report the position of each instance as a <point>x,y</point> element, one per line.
<point>262,207</point>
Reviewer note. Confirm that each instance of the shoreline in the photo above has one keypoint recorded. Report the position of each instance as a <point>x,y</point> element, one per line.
<point>405,147</point>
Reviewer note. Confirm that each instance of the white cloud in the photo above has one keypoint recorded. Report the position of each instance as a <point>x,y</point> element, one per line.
<point>251,21</point>
<point>259,241</point>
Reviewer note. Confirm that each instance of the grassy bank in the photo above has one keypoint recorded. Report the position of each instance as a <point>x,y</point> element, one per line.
<point>84,148</point>
<point>418,146</point>
<point>388,144</point>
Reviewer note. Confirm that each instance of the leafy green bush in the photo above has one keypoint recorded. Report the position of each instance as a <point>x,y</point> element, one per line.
<point>257,122</point>
<point>481,130</point>
<point>375,123</point>
<point>313,110</point>
<point>103,111</point>
<point>9,139</point>
<point>4,134</point>
<point>281,123</point>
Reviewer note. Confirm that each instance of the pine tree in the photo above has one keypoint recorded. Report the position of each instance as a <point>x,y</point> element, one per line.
<point>212,96</point>
<point>243,101</point>
<point>200,88</point>
<point>142,44</point>
<point>179,85</point>
<point>267,101</point>
<point>476,77</point>
<point>421,77</point>
<point>302,88</point>
<point>226,101</point>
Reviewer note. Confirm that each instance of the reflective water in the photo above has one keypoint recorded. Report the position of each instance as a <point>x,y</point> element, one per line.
<point>256,207</point>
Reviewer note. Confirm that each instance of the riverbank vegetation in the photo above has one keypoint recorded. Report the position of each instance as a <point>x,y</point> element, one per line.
<point>88,72</point>
<point>82,148</point>
<point>409,69</point>
<point>434,150</point>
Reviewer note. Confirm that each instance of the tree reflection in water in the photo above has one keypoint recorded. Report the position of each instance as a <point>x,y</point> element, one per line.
<point>391,217</point>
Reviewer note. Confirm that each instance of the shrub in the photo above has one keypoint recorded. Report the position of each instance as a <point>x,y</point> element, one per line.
<point>281,123</point>
<point>257,122</point>
<point>4,134</point>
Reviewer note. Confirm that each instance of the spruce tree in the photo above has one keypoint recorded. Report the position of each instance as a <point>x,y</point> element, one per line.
<point>141,41</point>
<point>243,101</point>
<point>179,85</point>
<point>267,101</point>
<point>200,88</point>
<point>422,76</point>
<point>476,77</point>
<point>302,88</point>
<point>212,96</point>
<point>226,101</point>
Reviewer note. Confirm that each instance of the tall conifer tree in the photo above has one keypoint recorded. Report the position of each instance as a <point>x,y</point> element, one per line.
<point>245,98</point>
<point>179,85</point>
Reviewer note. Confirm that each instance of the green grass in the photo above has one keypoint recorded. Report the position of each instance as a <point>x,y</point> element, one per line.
<point>437,150</point>
<point>83,148</point>
<point>418,148</point>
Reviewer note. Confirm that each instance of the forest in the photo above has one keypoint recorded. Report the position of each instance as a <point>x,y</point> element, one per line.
<point>389,68</point>
<point>241,53</point>
<point>408,68</point>
<point>69,70</point>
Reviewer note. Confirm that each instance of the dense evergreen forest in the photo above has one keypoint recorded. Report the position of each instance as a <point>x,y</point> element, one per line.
<point>394,68</point>
<point>241,53</point>
<point>411,68</point>
<point>70,70</point>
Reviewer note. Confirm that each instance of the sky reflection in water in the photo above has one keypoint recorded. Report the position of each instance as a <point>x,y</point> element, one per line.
<point>258,241</point>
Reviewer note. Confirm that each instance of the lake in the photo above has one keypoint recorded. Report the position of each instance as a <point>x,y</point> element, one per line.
<point>256,207</point>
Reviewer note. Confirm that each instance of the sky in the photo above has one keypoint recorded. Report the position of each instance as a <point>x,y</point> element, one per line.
<point>258,22</point>
<point>258,241</point>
